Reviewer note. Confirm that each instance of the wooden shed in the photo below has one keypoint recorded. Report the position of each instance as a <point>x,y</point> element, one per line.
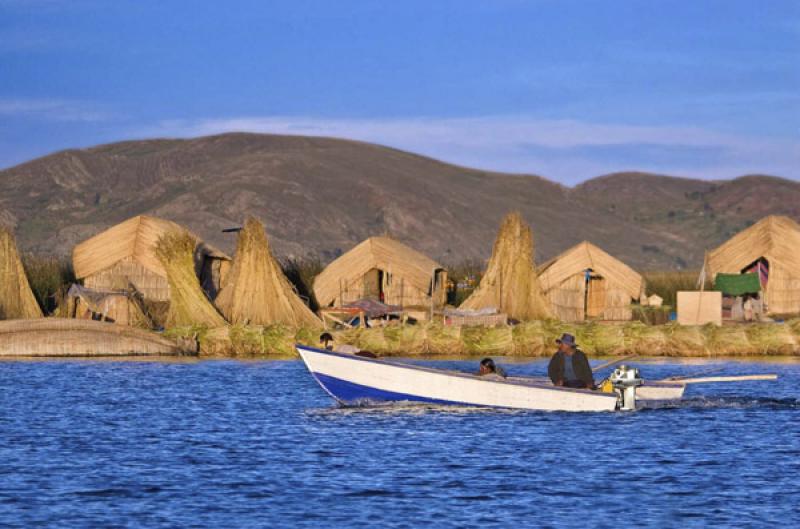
<point>587,283</point>
<point>771,249</point>
<point>385,270</point>
<point>123,256</point>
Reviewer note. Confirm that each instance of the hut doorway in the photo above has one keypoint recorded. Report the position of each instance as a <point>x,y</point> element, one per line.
<point>373,285</point>
<point>595,294</point>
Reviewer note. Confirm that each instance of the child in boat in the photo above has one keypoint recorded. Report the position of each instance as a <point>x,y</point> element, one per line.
<point>489,369</point>
<point>326,341</point>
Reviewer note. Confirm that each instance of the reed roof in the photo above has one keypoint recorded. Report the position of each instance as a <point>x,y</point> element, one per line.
<point>776,238</point>
<point>382,253</point>
<point>586,255</point>
<point>135,238</point>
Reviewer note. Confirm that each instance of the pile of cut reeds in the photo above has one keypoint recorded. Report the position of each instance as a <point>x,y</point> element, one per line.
<point>188,303</point>
<point>256,291</point>
<point>16,298</point>
<point>510,283</point>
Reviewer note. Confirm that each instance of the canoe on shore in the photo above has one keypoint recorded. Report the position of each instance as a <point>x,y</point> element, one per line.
<point>58,337</point>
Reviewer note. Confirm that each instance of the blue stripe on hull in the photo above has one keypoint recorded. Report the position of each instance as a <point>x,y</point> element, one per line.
<point>354,394</point>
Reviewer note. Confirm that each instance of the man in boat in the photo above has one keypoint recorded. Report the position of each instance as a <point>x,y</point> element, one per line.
<point>569,367</point>
<point>491,370</point>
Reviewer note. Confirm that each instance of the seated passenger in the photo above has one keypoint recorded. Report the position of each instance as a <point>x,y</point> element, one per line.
<point>569,366</point>
<point>326,341</point>
<point>489,369</point>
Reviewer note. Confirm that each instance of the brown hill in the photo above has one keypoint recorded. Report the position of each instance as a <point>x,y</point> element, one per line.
<point>320,196</point>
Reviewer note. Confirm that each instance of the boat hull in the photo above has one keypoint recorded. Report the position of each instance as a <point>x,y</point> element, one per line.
<point>353,381</point>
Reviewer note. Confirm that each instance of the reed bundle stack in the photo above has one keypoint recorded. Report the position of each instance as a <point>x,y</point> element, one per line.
<point>188,302</point>
<point>510,283</point>
<point>16,298</point>
<point>256,291</point>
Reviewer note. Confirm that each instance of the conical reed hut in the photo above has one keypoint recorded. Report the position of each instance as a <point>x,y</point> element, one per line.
<point>510,283</point>
<point>16,298</point>
<point>188,304</point>
<point>256,291</point>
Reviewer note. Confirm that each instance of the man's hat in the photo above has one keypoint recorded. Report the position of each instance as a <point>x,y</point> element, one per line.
<point>568,339</point>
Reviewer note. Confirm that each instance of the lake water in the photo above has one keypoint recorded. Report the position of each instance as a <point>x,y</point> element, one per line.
<point>259,444</point>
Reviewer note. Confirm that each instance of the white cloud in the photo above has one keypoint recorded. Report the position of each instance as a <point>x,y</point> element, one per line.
<point>566,150</point>
<point>53,109</point>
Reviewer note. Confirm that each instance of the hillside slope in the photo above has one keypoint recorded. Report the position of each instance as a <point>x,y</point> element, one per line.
<point>320,196</point>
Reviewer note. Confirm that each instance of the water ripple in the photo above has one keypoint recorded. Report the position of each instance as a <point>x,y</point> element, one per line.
<point>258,444</point>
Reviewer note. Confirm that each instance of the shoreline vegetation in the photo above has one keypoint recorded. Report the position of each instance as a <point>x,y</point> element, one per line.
<point>528,339</point>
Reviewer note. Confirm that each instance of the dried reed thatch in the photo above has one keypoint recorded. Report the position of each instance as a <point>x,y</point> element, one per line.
<point>16,298</point>
<point>608,294</point>
<point>122,308</point>
<point>383,268</point>
<point>125,255</point>
<point>67,337</point>
<point>510,283</point>
<point>256,291</point>
<point>775,239</point>
<point>188,303</point>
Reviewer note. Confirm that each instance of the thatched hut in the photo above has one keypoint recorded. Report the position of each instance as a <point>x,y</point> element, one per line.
<point>510,283</point>
<point>16,298</point>
<point>385,270</point>
<point>123,257</point>
<point>771,249</point>
<point>256,291</point>
<point>587,283</point>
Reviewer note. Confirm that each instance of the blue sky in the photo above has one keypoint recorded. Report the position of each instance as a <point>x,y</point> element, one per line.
<point>565,89</point>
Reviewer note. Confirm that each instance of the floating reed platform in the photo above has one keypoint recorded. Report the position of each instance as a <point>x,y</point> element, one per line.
<point>532,339</point>
<point>68,337</point>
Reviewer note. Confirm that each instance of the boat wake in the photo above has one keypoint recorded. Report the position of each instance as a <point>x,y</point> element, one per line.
<point>380,408</point>
<point>406,408</point>
<point>724,403</point>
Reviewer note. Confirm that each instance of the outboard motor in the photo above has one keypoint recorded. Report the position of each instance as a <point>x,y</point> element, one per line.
<point>625,380</point>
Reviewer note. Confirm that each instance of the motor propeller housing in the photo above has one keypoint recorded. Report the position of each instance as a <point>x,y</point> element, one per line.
<point>625,380</point>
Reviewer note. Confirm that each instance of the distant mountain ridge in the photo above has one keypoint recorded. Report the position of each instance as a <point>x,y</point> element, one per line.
<point>321,196</point>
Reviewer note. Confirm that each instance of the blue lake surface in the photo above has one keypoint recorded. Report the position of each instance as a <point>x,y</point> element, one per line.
<point>259,444</point>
